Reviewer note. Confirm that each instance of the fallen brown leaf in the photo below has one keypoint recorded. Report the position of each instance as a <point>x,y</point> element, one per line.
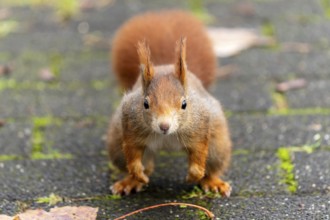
<point>46,74</point>
<point>4,13</point>
<point>2,122</point>
<point>296,47</point>
<point>290,85</point>
<point>63,213</point>
<point>5,217</point>
<point>231,41</point>
<point>245,9</point>
<point>5,70</point>
<point>226,71</point>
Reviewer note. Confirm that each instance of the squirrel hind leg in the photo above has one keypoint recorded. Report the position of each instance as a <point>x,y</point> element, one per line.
<point>216,185</point>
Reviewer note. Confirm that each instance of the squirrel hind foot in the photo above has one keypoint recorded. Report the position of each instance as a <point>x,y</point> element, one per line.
<point>216,185</point>
<point>126,186</point>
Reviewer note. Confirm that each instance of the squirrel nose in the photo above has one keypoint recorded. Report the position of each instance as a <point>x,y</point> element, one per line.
<point>164,127</point>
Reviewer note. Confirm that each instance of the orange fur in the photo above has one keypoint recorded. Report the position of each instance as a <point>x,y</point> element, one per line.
<point>161,30</point>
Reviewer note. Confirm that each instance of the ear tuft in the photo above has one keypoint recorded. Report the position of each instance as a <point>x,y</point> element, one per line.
<point>180,65</point>
<point>146,66</point>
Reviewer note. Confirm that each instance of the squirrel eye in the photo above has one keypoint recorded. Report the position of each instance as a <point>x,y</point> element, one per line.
<point>146,104</point>
<point>184,104</point>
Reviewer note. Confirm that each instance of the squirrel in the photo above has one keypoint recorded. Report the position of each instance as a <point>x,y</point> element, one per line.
<point>165,61</point>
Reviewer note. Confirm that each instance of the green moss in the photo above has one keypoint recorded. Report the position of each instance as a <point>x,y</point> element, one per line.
<point>305,111</point>
<point>107,197</point>
<point>228,113</point>
<point>50,156</point>
<point>199,193</point>
<point>326,7</point>
<point>42,122</point>
<point>280,101</point>
<point>100,84</point>
<point>7,84</point>
<point>39,141</point>
<point>5,157</point>
<point>268,29</point>
<point>197,8</point>
<point>201,215</point>
<point>66,9</point>
<point>287,169</point>
<point>56,63</point>
<point>51,200</point>
<point>7,27</point>
<point>241,152</point>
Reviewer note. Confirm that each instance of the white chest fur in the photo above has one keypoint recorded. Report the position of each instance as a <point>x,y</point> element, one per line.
<point>168,142</point>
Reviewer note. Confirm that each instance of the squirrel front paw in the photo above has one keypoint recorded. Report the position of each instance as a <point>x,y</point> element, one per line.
<point>126,186</point>
<point>137,172</point>
<point>195,174</point>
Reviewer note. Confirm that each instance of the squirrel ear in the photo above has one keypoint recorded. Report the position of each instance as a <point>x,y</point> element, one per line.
<point>146,66</point>
<point>180,65</point>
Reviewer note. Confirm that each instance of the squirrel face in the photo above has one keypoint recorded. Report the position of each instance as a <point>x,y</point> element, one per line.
<point>164,90</point>
<point>165,104</point>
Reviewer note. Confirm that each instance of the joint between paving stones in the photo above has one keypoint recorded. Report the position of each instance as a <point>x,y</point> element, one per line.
<point>285,155</point>
<point>286,169</point>
<point>39,141</point>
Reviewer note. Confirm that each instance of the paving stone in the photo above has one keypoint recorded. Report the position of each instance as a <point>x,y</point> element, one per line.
<point>18,103</point>
<point>26,180</point>
<point>240,96</point>
<point>58,42</point>
<point>312,172</point>
<point>270,132</point>
<point>78,102</point>
<point>315,95</point>
<point>313,33</point>
<point>81,138</point>
<point>86,69</point>
<point>255,174</point>
<point>8,207</point>
<point>281,207</point>
<point>15,138</point>
<point>277,66</point>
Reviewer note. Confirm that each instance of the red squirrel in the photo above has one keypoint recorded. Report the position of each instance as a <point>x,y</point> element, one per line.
<point>165,61</point>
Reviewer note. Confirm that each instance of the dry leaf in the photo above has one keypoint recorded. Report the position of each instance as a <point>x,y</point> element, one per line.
<point>34,215</point>
<point>315,127</point>
<point>5,70</point>
<point>296,47</point>
<point>231,41</point>
<point>245,9</point>
<point>290,85</point>
<point>75,213</point>
<point>62,213</point>
<point>2,123</point>
<point>4,13</point>
<point>5,217</point>
<point>226,71</point>
<point>46,75</point>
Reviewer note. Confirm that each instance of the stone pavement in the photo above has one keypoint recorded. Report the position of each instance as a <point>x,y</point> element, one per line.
<point>52,140</point>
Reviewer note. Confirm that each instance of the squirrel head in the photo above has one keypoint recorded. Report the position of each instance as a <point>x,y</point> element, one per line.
<point>164,102</point>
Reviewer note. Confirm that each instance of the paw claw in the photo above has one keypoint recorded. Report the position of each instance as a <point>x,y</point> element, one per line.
<point>216,185</point>
<point>126,186</point>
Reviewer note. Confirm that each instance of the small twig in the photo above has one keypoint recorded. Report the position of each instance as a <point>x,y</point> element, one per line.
<point>208,212</point>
